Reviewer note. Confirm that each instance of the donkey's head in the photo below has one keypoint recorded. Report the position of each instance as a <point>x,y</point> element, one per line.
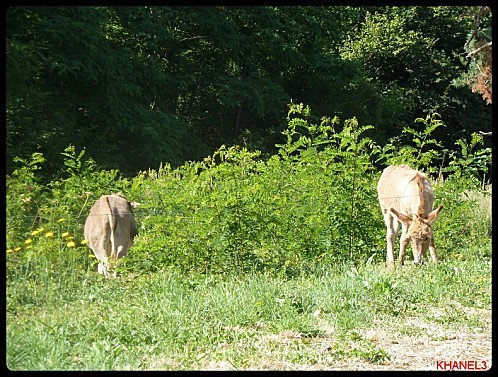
<point>419,231</point>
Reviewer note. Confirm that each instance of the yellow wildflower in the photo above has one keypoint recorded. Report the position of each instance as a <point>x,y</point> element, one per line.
<point>49,234</point>
<point>91,256</point>
<point>29,247</point>
<point>65,234</point>
<point>84,242</point>
<point>71,244</point>
<point>9,251</point>
<point>28,241</point>
<point>61,220</point>
<point>17,248</point>
<point>35,232</point>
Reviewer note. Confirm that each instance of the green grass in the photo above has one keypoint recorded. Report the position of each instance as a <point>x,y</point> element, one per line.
<point>166,320</point>
<point>244,262</point>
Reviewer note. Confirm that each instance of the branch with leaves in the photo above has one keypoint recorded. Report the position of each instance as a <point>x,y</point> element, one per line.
<point>472,53</point>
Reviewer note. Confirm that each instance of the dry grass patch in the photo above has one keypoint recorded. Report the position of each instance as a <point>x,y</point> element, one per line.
<point>412,343</point>
<point>416,343</point>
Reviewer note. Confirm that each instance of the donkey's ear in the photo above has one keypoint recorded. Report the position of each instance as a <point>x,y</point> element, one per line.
<point>134,205</point>
<point>401,217</point>
<point>431,217</point>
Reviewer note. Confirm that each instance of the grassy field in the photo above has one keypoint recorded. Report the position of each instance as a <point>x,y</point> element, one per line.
<point>347,317</point>
<point>244,264</point>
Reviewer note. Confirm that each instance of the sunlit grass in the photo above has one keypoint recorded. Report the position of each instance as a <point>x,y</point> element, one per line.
<point>168,320</point>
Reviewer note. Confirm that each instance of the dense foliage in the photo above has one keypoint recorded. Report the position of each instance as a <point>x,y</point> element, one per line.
<point>144,85</point>
<point>314,202</point>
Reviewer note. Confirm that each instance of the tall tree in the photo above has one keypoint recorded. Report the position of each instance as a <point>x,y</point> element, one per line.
<point>141,85</point>
<point>479,50</point>
<point>412,52</point>
<point>72,78</point>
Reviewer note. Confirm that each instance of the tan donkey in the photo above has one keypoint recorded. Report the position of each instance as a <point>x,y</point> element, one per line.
<point>406,197</point>
<point>109,230</point>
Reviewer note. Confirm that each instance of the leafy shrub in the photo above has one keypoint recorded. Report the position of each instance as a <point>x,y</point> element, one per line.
<point>314,202</point>
<point>465,226</point>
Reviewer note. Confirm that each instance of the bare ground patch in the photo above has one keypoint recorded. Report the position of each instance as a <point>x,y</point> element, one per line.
<point>422,352</point>
<point>412,343</point>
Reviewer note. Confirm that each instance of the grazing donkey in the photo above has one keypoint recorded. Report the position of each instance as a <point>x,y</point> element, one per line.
<point>406,197</point>
<point>109,230</point>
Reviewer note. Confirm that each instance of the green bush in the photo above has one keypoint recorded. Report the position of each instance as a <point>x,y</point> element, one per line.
<point>314,202</point>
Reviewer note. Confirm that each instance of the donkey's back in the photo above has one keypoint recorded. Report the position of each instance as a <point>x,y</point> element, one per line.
<point>405,189</point>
